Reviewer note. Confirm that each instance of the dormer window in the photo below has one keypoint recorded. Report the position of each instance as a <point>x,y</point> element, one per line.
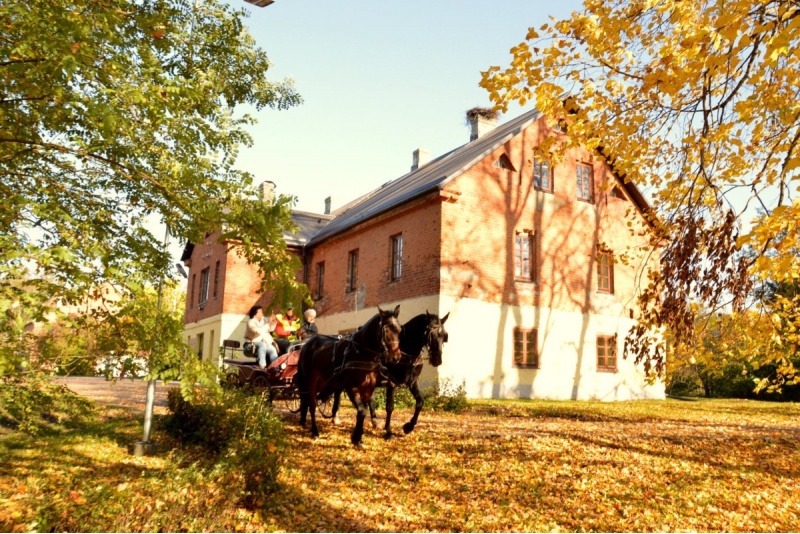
<point>503,163</point>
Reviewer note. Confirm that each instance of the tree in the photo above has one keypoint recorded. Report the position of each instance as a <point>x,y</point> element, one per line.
<point>116,114</point>
<point>697,102</point>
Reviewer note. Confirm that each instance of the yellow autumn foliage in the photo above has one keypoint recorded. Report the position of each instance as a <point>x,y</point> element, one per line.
<point>697,103</point>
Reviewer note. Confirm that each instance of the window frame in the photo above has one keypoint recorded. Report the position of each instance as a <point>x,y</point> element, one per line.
<point>605,281</point>
<point>215,291</point>
<point>523,357</point>
<point>205,279</point>
<point>589,178</point>
<point>605,342</point>
<point>352,271</point>
<point>522,239</point>
<point>320,279</point>
<point>538,163</point>
<point>396,257</point>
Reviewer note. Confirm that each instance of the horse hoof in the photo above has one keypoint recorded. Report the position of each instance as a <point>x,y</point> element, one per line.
<point>407,428</point>
<point>375,423</point>
<point>337,421</point>
<point>388,435</point>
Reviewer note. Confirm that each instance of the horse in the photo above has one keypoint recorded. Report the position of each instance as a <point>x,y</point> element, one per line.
<point>424,330</point>
<point>328,364</point>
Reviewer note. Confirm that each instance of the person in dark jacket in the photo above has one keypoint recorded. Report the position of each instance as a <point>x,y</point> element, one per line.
<point>309,328</point>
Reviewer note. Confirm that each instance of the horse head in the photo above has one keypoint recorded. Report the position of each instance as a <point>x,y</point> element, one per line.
<point>391,328</point>
<point>436,338</point>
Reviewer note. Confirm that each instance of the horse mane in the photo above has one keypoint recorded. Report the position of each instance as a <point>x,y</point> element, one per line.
<point>412,338</point>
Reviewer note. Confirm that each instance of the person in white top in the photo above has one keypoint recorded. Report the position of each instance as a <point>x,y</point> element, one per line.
<point>258,331</point>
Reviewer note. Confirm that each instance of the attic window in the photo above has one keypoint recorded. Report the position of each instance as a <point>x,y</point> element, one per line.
<point>503,163</point>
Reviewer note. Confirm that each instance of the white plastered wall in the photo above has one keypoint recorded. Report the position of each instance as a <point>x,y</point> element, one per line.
<point>214,330</point>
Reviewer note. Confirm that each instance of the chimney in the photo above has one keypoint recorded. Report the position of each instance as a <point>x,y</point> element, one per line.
<point>328,205</point>
<point>420,157</point>
<point>267,192</point>
<point>481,121</point>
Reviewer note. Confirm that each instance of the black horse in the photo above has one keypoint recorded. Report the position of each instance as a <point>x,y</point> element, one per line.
<point>328,364</point>
<point>424,330</point>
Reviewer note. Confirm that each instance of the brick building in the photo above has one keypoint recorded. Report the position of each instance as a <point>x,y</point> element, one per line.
<point>524,255</point>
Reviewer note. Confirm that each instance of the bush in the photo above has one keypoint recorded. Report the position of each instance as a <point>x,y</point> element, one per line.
<point>34,405</point>
<point>239,430</point>
<point>402,398</point>
<point>446,397</point>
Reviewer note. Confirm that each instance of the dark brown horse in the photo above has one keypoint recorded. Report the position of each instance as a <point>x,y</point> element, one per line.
<point>423,331</point>
<point>328,364</point>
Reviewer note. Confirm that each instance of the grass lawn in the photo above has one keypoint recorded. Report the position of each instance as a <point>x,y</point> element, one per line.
<point>500,466</point>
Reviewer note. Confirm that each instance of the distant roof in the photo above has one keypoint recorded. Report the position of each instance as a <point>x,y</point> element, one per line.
<point>309,223</point>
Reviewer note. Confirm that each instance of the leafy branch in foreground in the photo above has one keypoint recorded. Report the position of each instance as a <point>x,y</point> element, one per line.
<point>114,116</point>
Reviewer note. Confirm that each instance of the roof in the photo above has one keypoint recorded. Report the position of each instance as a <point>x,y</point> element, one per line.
<point>432,176</point>
<point>436,174</point>
<point>309,224</point>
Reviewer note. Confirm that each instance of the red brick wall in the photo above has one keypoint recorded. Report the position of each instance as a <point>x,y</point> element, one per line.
<point>493,204</point>
<point>239,281</point>
<point>467,236</point>
<point>420,226</point>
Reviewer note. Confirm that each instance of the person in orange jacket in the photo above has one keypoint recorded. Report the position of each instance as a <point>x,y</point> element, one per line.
<point>287,327</point>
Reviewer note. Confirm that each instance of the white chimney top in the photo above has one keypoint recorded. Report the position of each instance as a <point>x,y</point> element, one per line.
<point>267,191</point>
<point>419,158</point>
<point>481,121</point>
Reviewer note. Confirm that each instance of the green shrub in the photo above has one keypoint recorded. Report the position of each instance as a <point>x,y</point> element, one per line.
<point>239,430</point>
<point>445,397</point>
<point>34,405</point>
<point>402,398</point>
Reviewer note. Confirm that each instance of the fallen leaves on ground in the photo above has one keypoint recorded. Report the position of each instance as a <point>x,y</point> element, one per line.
<point>648,466</point>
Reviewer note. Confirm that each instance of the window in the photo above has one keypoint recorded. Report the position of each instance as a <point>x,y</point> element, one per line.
<point>216,280</point>
<point>204,276</point>
<point>191,293</point>
<point>320,278</point>
<point>397,257</point>
<point>352,270</point>
<point>503,163</point>
<point>542,175</point>
<point>525,354</point>
<point>605,272</point>
<point>607,353</point>
<point>200,344</point>
<point>584,178</point>
<point>524,256</point>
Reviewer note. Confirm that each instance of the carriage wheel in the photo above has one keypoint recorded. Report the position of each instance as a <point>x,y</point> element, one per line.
<point>325,407</point>
<point>292,400</point>
<point>232,380</point>
<point>260,382</point>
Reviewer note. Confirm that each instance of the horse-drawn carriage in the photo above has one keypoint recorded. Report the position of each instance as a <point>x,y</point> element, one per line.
<point>277,380</point>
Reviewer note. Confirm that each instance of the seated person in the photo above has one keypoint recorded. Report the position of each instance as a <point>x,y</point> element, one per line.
<point>309,329</point>
<point>286,328</point>
<point>258,331</point>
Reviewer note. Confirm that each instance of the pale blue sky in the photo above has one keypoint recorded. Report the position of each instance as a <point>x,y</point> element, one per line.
<point>379,79</point>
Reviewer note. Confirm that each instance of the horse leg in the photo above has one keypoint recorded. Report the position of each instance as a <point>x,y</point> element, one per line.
<point>358,431</point>
<point>303,408</point>
<point>337,399</point>
<point>387,427</point>
<point>408,427</point>
<point>312,406</point>
<point>372,416</point>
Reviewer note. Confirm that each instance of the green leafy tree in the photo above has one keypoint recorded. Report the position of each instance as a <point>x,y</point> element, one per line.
<point>114,115</point>
<point>696,102</point>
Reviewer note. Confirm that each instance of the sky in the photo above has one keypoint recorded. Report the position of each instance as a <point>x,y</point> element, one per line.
<point>379,79</point>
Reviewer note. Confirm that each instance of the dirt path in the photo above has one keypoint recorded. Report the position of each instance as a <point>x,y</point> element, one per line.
<point>126,392</point>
